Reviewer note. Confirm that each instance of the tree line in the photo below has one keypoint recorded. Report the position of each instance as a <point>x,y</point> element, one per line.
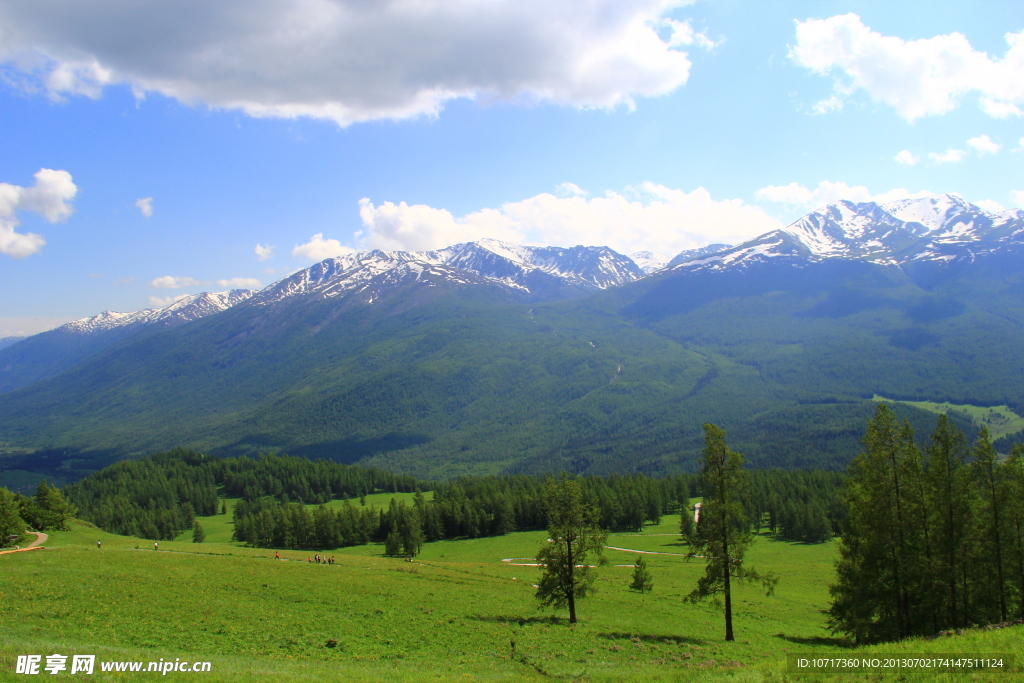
<point>934,538</point>
<point>47,510</point>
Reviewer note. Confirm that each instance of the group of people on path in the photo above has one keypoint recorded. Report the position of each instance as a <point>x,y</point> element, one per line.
<point>321,560</point>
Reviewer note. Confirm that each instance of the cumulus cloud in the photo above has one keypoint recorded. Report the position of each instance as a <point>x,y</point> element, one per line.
<point>828,192</point>
<point>163,301</point>
<point>50,197</point>
<point>317,248</point>
<point>241,283</point>
<point>263,251</point>
<point>172,282</point>
<point>145,205</point>
<point>352,60</point>
<point>647,217</point>
<point>990,205</point>
<point>906,158</point>
<point>983,144</point>
<point>1018,197</point>
<point>916,77</point>
<point>950,156</point>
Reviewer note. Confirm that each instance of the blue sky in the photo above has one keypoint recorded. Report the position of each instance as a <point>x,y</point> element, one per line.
<point>149,150</point>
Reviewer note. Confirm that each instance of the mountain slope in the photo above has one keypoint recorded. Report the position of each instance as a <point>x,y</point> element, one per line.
<point>409,362</point>
<point>50,353</point>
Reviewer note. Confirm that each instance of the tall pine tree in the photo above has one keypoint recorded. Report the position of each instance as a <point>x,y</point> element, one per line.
<point>723,532</point>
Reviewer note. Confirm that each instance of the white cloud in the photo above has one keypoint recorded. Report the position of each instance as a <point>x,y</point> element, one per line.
<point>163,301</point>
<point>1018,197</point>
<point>916,77</point>
<point>263,251</point>
<point>145,205</point>
<point>50,197</point>
<point>241,283</point>
<point>353,60</point>
<point>950,156</point>
<point>829,192</point>
<point>571,190</point>
<point>318,249</point>
<point>990,205</point>
<point>906,158</point>
<point>654,217</point>
<point>171,282</point>
<point>983,144</point>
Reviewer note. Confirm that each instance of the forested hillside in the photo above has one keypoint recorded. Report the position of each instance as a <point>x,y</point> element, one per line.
<point>444,380</point>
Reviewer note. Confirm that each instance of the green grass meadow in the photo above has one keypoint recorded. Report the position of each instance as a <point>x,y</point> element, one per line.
<point>449,615</point>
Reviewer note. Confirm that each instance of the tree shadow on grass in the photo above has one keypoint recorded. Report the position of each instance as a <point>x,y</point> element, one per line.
<point>646,638</point>
<point>520,620</point>
<point>819,641</point>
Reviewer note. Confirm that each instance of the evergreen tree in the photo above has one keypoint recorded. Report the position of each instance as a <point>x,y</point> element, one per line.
<point>198,535</point>
<point>686,528</point>
<point>882,586</point>
<point>723,532</point>
<point>223,507</point>
<point>49,509</point>
<point>574,538</point>
<point>642,579</point>
<point>1015,513</point>
<point>991,517</point>
<point>11,523</point>
<point>393,544</point>
<point>948,498</point>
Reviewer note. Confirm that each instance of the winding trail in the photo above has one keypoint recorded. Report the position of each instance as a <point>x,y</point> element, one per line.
<point>34,545</point>
<point>511,560</point>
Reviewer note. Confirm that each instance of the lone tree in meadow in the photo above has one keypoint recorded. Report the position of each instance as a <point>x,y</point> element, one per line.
<point>642,579</point>
<point>574,539</point>
<point>723,532</point>
<point>198,535</point>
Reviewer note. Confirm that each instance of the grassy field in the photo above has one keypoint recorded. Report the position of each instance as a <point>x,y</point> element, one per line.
<point>450,615</point>
<point>999,420</point>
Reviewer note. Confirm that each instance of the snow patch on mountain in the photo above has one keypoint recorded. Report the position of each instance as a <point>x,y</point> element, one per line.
<point>939,228</point>
<point>183,310</point>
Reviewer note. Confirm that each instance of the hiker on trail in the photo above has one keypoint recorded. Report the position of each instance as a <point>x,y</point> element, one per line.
<point>156,546</point>
<point>99,544</point>
<point>277,555</point>
<point>310,560</point>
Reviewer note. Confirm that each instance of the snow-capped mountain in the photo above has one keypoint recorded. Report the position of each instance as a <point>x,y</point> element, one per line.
<point>186,309</point>
<point>690,254</point>
<point>935,228</point>
<point>535,272</point>
<point>49,353</point>
<point>650,261</point>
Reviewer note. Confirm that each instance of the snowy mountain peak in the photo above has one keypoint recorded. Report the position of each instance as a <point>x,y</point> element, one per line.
<point>541,272</point>
<point>934,212</point>
<point>185,309</point>
<point>649,261</point>
<point>932,228</point>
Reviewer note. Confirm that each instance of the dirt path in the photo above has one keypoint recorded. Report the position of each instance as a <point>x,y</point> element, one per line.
<point>40,539</point>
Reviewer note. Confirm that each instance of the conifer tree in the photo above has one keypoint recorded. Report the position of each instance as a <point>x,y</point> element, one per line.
<point>393,544</point>
<point>574,539</point>
<point>642,579</point>
<point>1015,512</point>
<point>198,535</point>
<point>948,497</point>
<point>723,532</point>
<point>991,517</point>
<point>11,523</point>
